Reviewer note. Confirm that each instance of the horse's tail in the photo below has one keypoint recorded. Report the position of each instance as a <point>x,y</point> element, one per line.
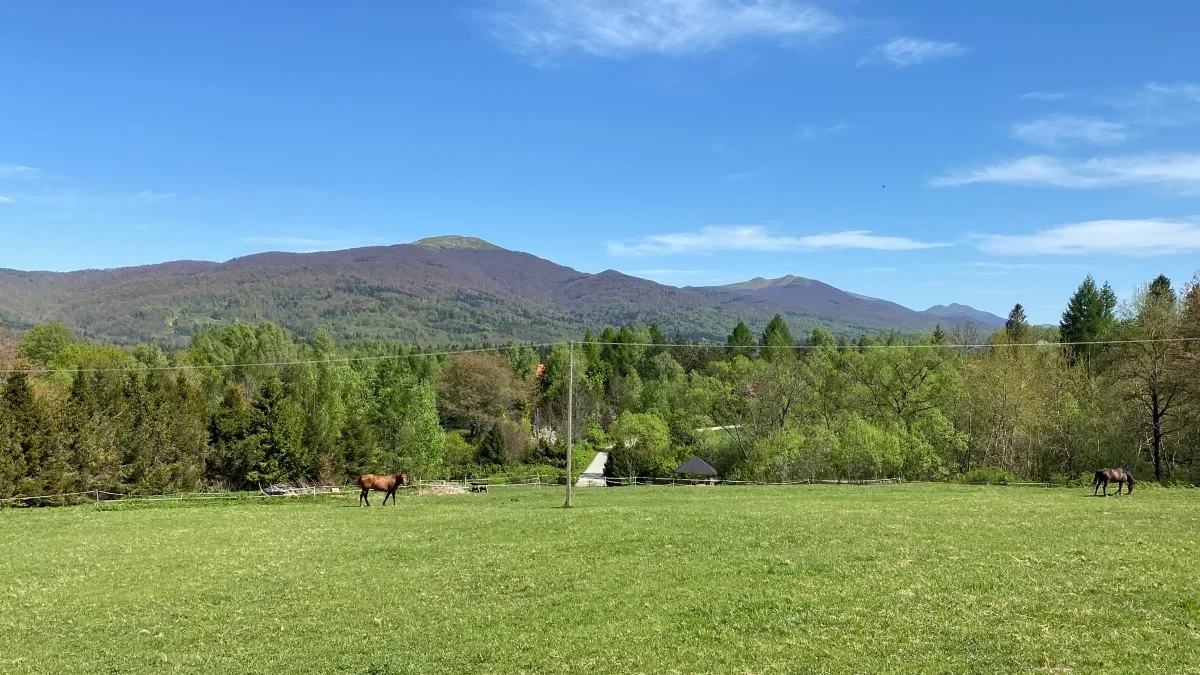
<point>1097,479</point>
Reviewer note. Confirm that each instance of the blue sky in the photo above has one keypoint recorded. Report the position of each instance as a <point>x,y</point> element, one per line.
<point>1022,144</point>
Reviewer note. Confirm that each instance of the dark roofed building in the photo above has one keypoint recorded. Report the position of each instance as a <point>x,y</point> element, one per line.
<point>696,467</point>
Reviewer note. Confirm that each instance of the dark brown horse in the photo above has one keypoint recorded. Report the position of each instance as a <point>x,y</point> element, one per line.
<point>385,484</point>
<point>1122,477</point>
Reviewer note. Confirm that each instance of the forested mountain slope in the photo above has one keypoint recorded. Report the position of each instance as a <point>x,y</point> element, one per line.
<point>435,291</point>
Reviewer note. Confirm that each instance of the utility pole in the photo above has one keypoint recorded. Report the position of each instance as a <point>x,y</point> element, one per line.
<point>570,413</point>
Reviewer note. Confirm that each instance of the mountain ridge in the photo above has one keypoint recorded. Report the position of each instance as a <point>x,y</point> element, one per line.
<point>959,311</point>
<point>438,290</point>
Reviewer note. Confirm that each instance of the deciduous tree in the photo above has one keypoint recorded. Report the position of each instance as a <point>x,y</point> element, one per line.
<point>1148,362</point>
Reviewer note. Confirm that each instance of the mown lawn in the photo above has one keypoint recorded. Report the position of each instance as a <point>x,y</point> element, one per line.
<point>909,578</point>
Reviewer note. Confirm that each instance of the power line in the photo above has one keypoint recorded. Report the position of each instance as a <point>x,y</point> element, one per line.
<point>272,364</point>
<point>538,345</point>
<point>852,345</point>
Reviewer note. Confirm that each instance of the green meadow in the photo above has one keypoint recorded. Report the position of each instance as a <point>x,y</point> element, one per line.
<point>823,579</point>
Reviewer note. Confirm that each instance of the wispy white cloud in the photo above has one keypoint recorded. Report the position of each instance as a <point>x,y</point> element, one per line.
<point>19,171</point>
<point>1047,95</point>
<point>906,51</point>
<point>1158,94</point>
<point>147,196</point>
<point>1149,109</point>
<point>809,132</point>
<point>6,200</point>
<point>1186,90</point>
<point>86,199</point>
<point>1179,171</point>
<point>996,269</point>
<point>540,29</point>
<point>758,238</point>
<point>1056,130</point>
<point>1111,237</point>
<point>1013,267</point>
<point>1160,106</point>
<point>738,176</point>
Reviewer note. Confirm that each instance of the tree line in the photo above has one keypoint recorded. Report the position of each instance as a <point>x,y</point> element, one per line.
<point>247,405</point>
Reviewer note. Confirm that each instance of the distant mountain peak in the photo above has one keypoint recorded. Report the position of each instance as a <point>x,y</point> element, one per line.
<point>454,241</point>
<point>759,283</point>
<point>950,308</point>
<point>960,311</point>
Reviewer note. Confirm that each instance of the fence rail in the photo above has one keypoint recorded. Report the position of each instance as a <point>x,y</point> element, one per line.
<point>107,497</point>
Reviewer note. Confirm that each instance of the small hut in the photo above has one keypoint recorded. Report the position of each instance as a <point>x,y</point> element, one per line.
<point>697,468</point>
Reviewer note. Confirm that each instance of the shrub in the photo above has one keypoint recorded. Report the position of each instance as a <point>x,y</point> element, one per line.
<point>864,451</point>
<point>785,454</point>
<point>641,446</point>
<point>933,438</point>
<point>516,437</point>
<point>491,449</point>
<point>596,436</point>
<point>457,450</point>
<point>581,456</point>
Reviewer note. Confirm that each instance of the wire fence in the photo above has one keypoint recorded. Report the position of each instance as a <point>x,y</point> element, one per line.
<point>432,487</point>
<point>269,492</point>
<point>623,481</point>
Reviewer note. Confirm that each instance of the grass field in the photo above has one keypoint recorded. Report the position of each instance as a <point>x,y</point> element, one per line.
<point>928,578</point>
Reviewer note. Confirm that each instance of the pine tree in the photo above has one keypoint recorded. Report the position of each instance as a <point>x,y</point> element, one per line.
<point>235,450</point>
<point>23,445</point>
<point>939,336</point>
<point>619,351</point>
<point>13,442</point>
<point>1089,317</point>
<point>775,338</point>
<point>741,341</point>
<point>1017,326</point>
<point>160,435</point>
<point>279,428</point>
<point>627,356</point>
<point>1161,291</point>
<point>1077,320</point>
<point>491,447</point>
<point>1108,308</point>
<point>360,437</point>
<point>656,335</point>
<point>319,389</point>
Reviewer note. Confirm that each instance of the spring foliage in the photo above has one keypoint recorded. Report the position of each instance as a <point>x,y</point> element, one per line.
<point>243,413</point>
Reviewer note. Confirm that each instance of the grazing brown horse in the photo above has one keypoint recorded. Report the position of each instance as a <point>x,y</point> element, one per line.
<point>1122,477</point>
<point>385,484</point>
